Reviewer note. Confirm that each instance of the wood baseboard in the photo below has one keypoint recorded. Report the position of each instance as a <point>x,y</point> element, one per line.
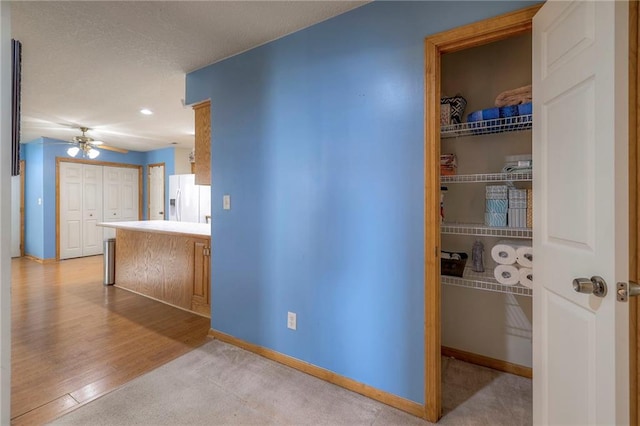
<point>485,361</point>
<point>40,260</point>
<point>395,401</point>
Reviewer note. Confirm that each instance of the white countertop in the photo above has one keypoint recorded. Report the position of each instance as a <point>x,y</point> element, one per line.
<point>163,226</point>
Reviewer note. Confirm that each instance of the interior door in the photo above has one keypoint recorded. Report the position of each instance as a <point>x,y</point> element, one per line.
<point>112,196</point>
<point>156,192</point>
<point>92,209</point>
<point>580,90</point>
<point>129,193</point>
<point>71,214</point>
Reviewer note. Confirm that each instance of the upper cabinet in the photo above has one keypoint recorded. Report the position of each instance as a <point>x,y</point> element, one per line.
<point>203,143</point>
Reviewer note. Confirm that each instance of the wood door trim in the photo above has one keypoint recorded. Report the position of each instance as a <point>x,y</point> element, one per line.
<point>485,361</point>
<point>149,166</point>
<point>95,163</point>
<point>634,208</point>
<point>468,36</point>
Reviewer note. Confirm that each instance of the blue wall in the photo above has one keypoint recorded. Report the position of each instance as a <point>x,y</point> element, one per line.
<point>318,138</point>
<point>40,171</point>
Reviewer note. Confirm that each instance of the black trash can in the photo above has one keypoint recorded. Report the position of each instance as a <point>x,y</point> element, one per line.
<point>109,260</point>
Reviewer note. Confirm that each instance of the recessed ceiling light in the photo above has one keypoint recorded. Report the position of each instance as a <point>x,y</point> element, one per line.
<point>146,111</point>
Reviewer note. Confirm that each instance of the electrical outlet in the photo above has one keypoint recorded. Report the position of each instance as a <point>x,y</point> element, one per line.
<point>291,320</point>
<point>226,202</point>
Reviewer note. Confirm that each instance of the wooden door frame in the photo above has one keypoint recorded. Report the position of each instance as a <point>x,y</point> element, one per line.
<point>149,166</point>
<point>473,35</point>
<point>465,37</point>
<point>634,207</point>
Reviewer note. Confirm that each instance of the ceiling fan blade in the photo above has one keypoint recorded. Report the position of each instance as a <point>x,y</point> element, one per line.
<point>96,143</point>
<point>113,148</point>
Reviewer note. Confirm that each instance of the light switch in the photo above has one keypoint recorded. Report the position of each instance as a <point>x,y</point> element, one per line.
<point>226,202</point>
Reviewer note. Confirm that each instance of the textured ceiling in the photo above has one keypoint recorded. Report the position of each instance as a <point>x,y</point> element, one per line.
<point>96,64</point>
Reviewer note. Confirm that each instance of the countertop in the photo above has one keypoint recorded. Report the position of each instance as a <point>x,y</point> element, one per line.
<point>163,227</point>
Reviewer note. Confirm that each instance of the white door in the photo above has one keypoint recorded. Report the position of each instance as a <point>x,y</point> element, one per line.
<point>15,216</point>
<point>580,91</point>
<point>71,214</point>
<point>92,210</point>
<point>129,201</point>
<point>156,192</point>
<point>112,196</point>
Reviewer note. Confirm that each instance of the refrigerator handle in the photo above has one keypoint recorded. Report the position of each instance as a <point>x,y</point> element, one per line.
<point>178,205</point>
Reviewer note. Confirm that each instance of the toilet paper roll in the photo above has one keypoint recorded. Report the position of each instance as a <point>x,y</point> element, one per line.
<point>504,253</point>
<point>507,274</point>
<point>526,277</point>
<point>524,256</point>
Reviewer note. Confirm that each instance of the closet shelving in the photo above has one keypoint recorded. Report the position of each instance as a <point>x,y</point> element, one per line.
<point>484,127</point>
<point>488,177</point>
<point>484,230</point>
<point>486,280</point>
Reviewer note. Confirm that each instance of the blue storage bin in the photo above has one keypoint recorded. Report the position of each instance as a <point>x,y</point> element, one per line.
<point>484,114</point>
<point>509,111</point>
<point>525,109</point>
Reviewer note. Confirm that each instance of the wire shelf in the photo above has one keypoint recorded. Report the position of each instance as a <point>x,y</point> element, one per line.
<point>483,230</point>
<point>484,281</point>
<point>488,177</point>
<point>498,125</point>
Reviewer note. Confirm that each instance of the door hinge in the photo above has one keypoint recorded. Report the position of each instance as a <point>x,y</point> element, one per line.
<point>206,251</point>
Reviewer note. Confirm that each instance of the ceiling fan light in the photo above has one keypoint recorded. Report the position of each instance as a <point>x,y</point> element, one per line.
<point>73,151</point>
<point>93,153</point>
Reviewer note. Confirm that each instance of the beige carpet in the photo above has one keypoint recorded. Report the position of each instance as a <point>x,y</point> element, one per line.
<point>219,384</point>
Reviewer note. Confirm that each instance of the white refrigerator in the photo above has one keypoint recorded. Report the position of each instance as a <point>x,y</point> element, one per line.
<point>188,202</point>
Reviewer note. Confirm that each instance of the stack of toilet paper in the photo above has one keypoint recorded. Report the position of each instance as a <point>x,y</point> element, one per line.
<point>515,262</point>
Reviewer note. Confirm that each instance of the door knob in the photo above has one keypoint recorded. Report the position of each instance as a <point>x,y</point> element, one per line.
<point>626,290</point>
<point>594,285</point>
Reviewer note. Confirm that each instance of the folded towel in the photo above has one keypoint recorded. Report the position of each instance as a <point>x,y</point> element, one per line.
<point>517,96</point>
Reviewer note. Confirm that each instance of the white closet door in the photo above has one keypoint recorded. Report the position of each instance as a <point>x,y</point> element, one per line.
<point>71,215</point>
<point>112,195</point>
<point>92,210</point>
<point>580,92</point>
<point>129,193</point>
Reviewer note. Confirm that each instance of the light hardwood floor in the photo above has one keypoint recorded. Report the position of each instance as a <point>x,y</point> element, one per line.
<point>74,339</point>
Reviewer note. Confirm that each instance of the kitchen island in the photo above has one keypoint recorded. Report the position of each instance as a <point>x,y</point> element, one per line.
<point>165,260</point>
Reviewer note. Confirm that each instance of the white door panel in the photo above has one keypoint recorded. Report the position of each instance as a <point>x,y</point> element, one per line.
<point>129,194</point>
<point>71,215</point>
<point>156,193</point>
<point>580,85</point>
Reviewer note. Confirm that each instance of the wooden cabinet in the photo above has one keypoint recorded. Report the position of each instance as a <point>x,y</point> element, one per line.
<point>171,268</point>
<point>202,168</point>
<point>200,301</point>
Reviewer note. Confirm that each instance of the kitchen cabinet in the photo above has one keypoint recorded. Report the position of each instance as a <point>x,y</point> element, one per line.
<point>202,166</point>
<point>200,301</point>
<point>166,261</point>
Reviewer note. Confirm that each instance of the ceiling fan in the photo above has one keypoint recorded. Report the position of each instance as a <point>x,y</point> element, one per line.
<point>88,146</point>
